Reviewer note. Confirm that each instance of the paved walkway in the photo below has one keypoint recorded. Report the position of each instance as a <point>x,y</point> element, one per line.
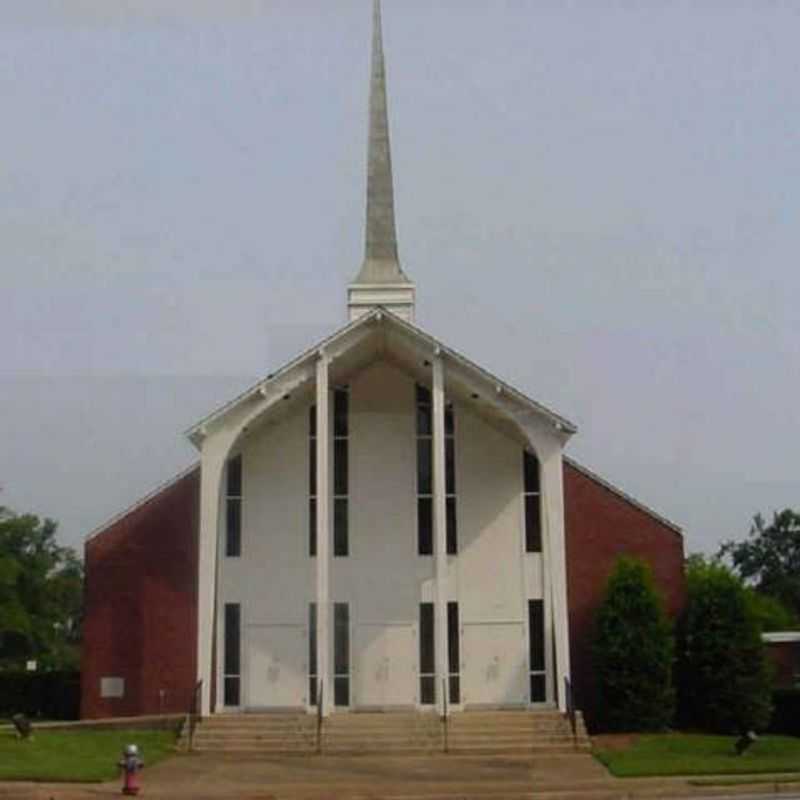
<point>439,777</point>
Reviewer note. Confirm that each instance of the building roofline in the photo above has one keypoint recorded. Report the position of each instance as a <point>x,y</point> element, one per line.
<point>142,501</point>
<point>781,637</point>
<point>377,314</point>
<point>624,495</point>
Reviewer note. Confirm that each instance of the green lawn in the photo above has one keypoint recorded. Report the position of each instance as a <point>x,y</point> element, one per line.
<point>76,755</point>
<point>696,754</point>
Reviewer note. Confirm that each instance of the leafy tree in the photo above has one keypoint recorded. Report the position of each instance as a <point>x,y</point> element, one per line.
<point>724,680</point>
<point>770,613</point>
<point>41,586</point>
<point>770,557</point>
<point>633,651</point>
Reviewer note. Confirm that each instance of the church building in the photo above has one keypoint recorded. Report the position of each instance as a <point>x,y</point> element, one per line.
<point>380,524</point>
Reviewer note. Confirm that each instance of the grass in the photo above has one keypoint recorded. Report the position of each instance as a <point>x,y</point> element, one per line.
<point>697,754</point>
<point>76,755</point>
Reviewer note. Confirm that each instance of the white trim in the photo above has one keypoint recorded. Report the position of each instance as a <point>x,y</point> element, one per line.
<point>140,502</point>
<point>781,637</point>
<point>624,495</point>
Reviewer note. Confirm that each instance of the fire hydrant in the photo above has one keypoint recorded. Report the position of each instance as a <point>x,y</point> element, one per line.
<point>130,764</point>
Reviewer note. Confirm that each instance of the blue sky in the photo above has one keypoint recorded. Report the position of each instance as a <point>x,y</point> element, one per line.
<point>597,202</point>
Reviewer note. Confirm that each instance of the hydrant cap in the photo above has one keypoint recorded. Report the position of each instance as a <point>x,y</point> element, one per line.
<point>131,750</point>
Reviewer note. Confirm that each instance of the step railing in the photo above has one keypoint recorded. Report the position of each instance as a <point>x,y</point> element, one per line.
<point>194,711</point>
<point>444,715</point>
<point>320,691</point>
<point>569,713</point>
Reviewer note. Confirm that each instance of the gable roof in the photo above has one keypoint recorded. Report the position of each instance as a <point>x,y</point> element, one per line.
<point>379,315</point>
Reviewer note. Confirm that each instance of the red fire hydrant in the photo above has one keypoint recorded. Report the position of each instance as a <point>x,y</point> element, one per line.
<point>130,764</point>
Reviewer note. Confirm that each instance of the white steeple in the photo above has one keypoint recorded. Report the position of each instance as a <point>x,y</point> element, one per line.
<point>381,281</point>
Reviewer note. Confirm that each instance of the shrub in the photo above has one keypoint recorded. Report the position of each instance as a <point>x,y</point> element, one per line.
<point>53,695</point>
<point>633,651</point>
<point>723,675</point>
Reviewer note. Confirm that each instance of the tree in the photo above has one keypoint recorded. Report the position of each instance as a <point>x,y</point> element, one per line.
<point>770,613</point>
<point>633,651</point>
<point>724,681</point>
<point>770,557</point>
<point>41,587</point>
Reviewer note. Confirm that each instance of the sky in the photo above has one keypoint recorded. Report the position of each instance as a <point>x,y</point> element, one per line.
<point>597,202</point>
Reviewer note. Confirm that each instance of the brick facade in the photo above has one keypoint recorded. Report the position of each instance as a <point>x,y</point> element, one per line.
<point>601,525</point>
<point>140,620</point>
<point>141,589</point>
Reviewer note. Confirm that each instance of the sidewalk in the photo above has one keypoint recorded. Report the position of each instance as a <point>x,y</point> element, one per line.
<point>438,777</point>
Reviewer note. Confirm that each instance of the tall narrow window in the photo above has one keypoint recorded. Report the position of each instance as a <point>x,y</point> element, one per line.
<point>312,654</point>
<point>427,660</point>
<point>424,472</point>
<point>536,650</point>
<point>233,507</point>
<point>450,478</point>
<point>341,654</point>
<point>453,653</point>
<point>341,431</point>
<point>531,494</point>
<point>232,663</point>
<point>312,481</point>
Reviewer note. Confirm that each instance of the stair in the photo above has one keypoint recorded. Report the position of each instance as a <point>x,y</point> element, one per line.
<point>515,733</point>
<point>499,733</point>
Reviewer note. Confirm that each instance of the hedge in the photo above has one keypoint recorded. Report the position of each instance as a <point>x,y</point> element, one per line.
<point>786,712</point>
<point>49,695</point>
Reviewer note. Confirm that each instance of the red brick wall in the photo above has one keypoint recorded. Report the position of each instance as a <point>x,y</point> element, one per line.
<point>140,619</point>
<point>785,659</point>
<point>601,525</point>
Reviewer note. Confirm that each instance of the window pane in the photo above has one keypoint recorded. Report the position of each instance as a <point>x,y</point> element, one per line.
<point>340,466</point>
<point>233,527</point>
<point>312,466</point>
<point>312,639</point>
<point>530,465</point>
<point>235,477</point>
<point>312,421</point>
<point>340,543</point>
<point>455,689</point>
<point>425,526</point>
<point>423,395</point>
<point>312,690</point>
<point>452,529</point>
<point>341,691</point>
<point>533,533</point>
<point>449,420</point>
<point>341,638</point>
<point>424,467</point>
<point>426,646</point>
<point>450,465</point>
<point>312,527</point>
<point>231,664</point>
<point>341,401</point>
<point>453,659</point>
<point>424,421</point>
<point>536,635</point>
<point>427,690</point>
<point>538,694</point>
<point>232,692</point>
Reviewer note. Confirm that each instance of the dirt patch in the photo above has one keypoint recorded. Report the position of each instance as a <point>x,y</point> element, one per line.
<point>614,741</point>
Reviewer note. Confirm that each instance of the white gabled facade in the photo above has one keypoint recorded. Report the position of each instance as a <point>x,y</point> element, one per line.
<point>367,530</point>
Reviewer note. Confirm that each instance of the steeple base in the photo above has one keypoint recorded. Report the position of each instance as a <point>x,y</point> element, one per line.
<point>395,297</point>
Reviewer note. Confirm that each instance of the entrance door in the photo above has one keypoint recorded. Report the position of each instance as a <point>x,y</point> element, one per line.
<point>495,667</point>
<point>385,665</point>
<point>276,666</point>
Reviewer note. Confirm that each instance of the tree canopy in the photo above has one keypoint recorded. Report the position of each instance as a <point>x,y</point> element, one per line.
<point>770,557</point>
<point>633,652</point>
<point>41,587</point>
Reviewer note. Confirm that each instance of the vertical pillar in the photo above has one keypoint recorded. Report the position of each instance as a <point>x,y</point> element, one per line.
<point>324,671</point>
<point>439,531</point>
<point>211,468</point>
<point>553,498</point>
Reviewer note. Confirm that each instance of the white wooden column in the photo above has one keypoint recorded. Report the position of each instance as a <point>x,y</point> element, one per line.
<point>439,531</point>
<point>212,466</point>
<point>324,672</point>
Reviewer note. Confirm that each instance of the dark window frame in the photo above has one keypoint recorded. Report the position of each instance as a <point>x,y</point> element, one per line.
<point>537,658</point>
<point>233,507</point>
<point>531,502</point>
<point>232,655</point>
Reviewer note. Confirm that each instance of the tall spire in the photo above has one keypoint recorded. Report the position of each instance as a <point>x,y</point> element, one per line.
<point>381,271</point>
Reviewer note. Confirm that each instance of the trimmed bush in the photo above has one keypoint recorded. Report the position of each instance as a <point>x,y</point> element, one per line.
<point>724,679</point>
<point>633,650</point>
<point>786,712</point>
<point>52,695</point>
